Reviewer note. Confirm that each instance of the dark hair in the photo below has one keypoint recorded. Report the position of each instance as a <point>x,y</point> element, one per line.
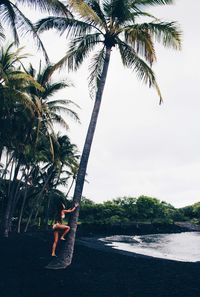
<point>59,208</point>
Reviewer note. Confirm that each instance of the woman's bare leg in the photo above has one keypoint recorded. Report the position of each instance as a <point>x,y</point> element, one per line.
<point>62,227</point>
<point>67,228</point>
<point>53,253</point>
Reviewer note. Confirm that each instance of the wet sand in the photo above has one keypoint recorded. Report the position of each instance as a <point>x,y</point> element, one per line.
<point>96,271</point>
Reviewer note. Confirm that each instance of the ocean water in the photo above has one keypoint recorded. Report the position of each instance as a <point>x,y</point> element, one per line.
<point>183,246</point>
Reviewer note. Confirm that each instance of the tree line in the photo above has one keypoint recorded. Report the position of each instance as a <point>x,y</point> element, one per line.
<point>35,159</point>
<point>128,210</point>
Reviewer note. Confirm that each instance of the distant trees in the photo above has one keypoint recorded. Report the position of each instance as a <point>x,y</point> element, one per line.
<point>128,210</point>
<point>192,212</point>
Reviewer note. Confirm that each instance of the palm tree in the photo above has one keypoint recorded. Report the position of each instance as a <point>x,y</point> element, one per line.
<point>28,112</point>
<point>14,84</point>
<point>50,110</point>
<point>52,173</point>
<point>13,17</point>
<point>102,25</point>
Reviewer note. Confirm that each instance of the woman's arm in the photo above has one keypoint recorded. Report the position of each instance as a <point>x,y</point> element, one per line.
<point>71,209</point>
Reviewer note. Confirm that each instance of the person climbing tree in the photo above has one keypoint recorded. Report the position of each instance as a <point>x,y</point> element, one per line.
<point>59,225</point>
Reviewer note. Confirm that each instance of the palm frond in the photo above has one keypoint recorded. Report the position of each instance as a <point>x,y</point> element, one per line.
<point>2,35</point>
<point>141,41</point>
<point>131,60</point>
<point>79,49</point>
<point>64,102</point>
<point>38,108</point>
<point>9,58</point>
<point>25,26</point>
<point>95,5</point>
<point>69,111</point>
<point>47,119</point>
<point>117,11</point>
<point>70,26</point>
<point>55,7</point>
<point>45,75</point>
<point>152,2</point>
<point>51,89</point>
<point>51,145</point>
<point>30,70</point>
<point>58,119</point>
<point>17,96</point>
<point>167,33</point>
<point>139,13</point>
<point>20,77</point>
<point>8,16</point>
<point>86,12</point>
<point>95,69</point>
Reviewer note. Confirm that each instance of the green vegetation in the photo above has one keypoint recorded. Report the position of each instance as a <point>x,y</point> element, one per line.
<point>35,159</point>
<point>191,213</point>
<point>127,210</point>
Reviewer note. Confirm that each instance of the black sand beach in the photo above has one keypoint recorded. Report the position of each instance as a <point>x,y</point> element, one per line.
<point>95,272</point>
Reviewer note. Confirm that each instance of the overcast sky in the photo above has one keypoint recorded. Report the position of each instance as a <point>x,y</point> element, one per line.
<point>141,148</point>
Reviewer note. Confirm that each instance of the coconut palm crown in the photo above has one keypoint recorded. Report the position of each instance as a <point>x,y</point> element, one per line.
<point>100,26</point>
<point>105,24</point>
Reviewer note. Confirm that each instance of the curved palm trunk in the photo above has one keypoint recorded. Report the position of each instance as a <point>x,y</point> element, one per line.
<point>66,254</point>
<point>38,202</point>
<point>24,201</point>
<point>7,214</point>
<point>22,209</point>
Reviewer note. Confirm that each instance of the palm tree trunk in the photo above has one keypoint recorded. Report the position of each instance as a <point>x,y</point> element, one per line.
<point>32,211</point>
<point>46,218</point>
<point>24,200</point>
<point>7,215</point>
<point>37,203</point>
<point>16,195</point>
<point>22,209</point>
<point>66,254</point>
<point>10,178</point>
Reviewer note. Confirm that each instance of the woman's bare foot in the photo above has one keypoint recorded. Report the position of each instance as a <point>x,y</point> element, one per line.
<point>53,255</point>
<point>62,238</point>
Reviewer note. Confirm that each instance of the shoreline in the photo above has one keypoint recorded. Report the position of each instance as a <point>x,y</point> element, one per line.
<point>85,230</point>
<point>96,243</point>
